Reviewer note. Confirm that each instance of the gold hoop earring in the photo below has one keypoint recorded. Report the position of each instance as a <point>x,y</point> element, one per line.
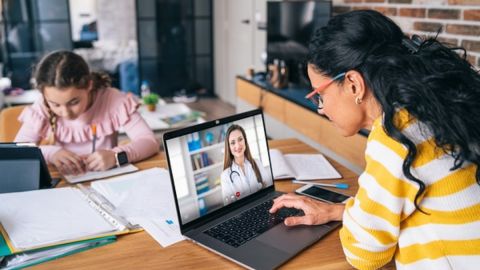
<point>358,100</point>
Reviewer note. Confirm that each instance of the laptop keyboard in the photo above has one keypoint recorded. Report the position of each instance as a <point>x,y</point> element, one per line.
<point>239,229</point>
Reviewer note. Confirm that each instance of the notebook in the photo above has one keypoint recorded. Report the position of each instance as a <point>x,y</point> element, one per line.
<point>34,257</point>
<point>89,176</point>
<point>43,218</point>
<point>224,208</point>
<point>302,166</point>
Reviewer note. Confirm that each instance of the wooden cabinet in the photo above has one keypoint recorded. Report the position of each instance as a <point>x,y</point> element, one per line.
<point>303,121</point>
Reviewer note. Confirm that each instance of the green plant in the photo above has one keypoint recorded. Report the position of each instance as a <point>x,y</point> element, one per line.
<point>150,99</point>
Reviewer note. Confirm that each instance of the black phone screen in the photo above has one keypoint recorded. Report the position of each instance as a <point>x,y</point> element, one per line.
<point>324,194</point>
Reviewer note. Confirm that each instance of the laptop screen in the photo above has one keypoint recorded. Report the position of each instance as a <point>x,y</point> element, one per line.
<point>218,163</point>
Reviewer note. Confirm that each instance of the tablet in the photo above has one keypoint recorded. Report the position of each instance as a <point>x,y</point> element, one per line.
<point>23,168</point>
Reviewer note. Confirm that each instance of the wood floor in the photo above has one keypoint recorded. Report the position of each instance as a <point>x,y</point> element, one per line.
<point>213,107</point>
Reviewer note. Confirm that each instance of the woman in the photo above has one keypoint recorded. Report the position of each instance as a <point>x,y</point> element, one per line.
<point>242,175</point>
<point>79,115</point>
<point>419,196</point>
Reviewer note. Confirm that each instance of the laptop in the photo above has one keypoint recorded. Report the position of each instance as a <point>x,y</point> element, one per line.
<point>239,229</point>
<point>23,168</point>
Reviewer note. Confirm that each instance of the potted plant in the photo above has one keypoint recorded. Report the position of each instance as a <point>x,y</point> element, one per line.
<point>151,101</point>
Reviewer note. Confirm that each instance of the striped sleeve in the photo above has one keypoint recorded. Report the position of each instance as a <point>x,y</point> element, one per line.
<point>371,221</point>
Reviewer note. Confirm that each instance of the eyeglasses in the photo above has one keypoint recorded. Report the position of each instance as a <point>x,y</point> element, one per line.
<point>315,97</point>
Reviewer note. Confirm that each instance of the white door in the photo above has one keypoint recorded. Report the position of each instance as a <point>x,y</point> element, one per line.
<point>234,44</point>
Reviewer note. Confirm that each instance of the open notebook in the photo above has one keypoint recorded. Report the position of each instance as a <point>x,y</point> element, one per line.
<point>301,166</point>
<point>89,176</point>
<point>42,218</point>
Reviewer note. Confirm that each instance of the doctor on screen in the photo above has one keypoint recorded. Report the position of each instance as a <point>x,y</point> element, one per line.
<point>242,175</point>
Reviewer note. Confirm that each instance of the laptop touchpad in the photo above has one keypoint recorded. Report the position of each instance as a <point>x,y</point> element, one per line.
<point>293,239</point>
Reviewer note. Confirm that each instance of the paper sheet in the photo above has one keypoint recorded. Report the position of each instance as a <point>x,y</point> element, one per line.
<point>311,167</point>
<point>166,232</point>
<point>73,179</point>
<point>280,168</point>
<point>145,198</point>
<point>48,216</point>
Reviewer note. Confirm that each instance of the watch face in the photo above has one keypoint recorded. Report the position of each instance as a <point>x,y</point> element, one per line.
<point>122,158</point>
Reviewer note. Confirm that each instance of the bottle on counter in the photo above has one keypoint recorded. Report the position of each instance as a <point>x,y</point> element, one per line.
<point>144,89</point>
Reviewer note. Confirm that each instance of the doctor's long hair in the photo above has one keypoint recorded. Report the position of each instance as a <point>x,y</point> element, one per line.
<point>65,69</point>
<point>228,160</point>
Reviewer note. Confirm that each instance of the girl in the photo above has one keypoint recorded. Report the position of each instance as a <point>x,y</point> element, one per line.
<point>76,106</point>
<point>419,196</point>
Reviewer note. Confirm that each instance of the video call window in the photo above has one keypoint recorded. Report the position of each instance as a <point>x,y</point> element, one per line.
<point>203,182</point>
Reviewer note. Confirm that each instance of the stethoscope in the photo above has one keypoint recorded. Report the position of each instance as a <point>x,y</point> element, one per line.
<point>236,191</point>
<point>232,173</point>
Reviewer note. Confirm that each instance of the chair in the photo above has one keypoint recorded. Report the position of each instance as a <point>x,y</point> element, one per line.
<point>9,125</point>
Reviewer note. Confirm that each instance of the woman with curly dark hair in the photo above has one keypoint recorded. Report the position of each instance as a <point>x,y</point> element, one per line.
<point>419,196</point>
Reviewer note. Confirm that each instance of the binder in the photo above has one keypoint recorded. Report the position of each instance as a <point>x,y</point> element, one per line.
<point>42,255</point>
<point>57,216</point>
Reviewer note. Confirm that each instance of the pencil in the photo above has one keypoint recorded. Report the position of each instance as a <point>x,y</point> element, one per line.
<point>337,185</point>
<point>94,136</point>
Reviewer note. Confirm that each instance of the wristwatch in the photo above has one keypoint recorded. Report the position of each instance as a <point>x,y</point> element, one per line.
<point>121,158</point>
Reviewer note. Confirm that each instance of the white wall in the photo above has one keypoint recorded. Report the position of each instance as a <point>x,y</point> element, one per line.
<point>81,12</point>
<point>237,45</point>
<point>116,21</point>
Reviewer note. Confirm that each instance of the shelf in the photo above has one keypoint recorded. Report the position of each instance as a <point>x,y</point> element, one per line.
<point>210,192</point>
<point>206,148</point>
<point>215,165</point>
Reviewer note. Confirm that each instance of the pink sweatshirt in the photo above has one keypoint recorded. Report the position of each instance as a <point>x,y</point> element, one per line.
<point>110,111</point>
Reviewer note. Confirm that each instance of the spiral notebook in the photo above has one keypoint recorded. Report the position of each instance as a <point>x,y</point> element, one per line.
<point>43,218</point>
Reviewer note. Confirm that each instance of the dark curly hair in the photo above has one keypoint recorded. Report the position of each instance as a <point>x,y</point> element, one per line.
<point>435,83</point>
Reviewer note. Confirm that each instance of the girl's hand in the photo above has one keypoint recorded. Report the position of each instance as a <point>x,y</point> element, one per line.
<point>68,163</point>
<point>316,212</point>
<point>100,160</point>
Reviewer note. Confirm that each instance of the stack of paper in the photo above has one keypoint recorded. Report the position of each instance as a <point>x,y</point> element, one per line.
<point>31,258</point>
<point>46,217</point>
<point>145,198</point>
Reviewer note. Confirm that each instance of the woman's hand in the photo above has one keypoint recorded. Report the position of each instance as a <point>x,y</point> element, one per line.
<point>100,160</point>
<point>316,212</point>
<point>68,163</point>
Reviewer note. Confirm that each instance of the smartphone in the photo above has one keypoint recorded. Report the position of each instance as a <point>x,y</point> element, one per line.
<point>322,194</point>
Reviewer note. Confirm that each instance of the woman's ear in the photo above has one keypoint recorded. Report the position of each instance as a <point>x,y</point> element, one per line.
<point>355,84</point>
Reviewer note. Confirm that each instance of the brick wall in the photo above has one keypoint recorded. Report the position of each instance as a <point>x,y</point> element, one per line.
<point>459,19</point>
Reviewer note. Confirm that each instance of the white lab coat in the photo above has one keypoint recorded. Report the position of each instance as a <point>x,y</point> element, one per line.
<point>238,185</point>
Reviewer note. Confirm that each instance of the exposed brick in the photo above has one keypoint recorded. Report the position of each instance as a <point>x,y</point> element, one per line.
<point>471,59</point>
<point>362,8</point>
<point>462,29</point>
<point>341,9</point>
<point>388,11</point>
<point>448,41</point>
<point>374,1</point>
<point>471,15</point>
<point>463,2</point>
<point>427,26</point>
<point>444,14</point>
<point>400,1</point>
<point>471,45</point>
<point>413,12</point>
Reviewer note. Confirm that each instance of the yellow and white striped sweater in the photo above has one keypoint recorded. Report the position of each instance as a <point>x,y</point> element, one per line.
<point>382,222</point>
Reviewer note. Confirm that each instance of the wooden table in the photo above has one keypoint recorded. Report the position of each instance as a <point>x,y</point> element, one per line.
<point>140,251</point>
